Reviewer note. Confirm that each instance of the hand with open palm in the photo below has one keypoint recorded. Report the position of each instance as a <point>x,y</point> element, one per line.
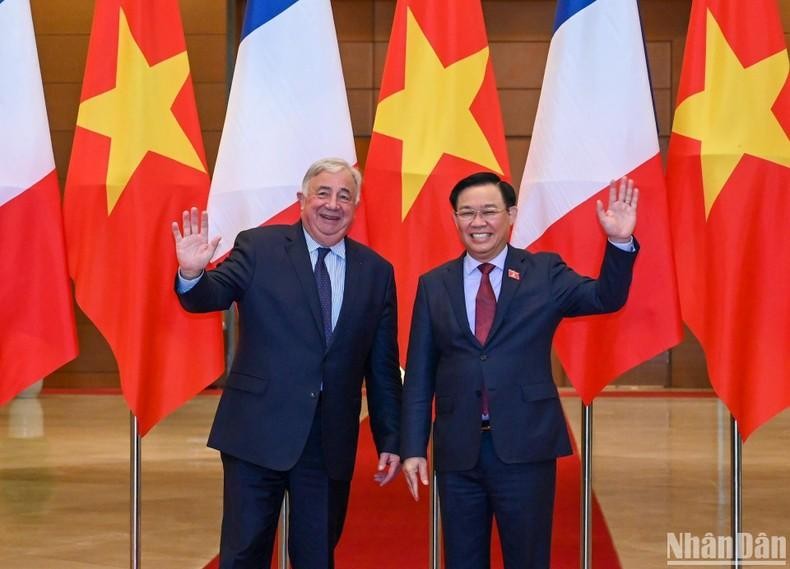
<point>619,218</point>
<point>193,249</point>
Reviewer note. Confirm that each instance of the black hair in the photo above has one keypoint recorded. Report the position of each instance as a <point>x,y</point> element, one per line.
<point>484,179</point>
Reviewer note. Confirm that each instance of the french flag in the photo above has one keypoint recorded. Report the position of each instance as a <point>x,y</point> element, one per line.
<point>287,109</point>
<point>595,123</point>
<point>37,331</point>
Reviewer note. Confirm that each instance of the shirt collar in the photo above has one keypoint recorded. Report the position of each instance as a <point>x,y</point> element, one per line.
<point>338,248</point>
<point>471,264</point>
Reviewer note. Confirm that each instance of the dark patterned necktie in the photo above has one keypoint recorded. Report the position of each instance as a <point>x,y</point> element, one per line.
<point>485,308</point>
<point>324,292</point>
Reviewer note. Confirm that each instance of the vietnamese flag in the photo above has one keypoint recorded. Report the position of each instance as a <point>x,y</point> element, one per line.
<point>37,333</point>
<point>136,163</point>
<point>438,120</point>
<point>728,174</point>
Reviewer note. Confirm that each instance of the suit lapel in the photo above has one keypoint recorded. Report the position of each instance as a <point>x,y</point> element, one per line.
<point>514,264</point>
<point>454,283</point>
<point>296,248</point>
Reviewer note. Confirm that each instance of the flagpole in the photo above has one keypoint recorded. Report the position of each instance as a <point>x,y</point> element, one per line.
<point>285,513</point>
<point>736,465</point>
<point>585,554</point>
<point>134,484</point>
<point>435,560</point>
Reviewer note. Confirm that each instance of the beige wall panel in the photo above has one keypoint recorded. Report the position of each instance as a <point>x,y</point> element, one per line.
<point>517,148</point>
<point>557,372</point>
<point>659,55</point>
<point>519,107</point>
<point>211,141</point>
<point>353,19</point>
<point>663,145</point>
<point>519,65</point>
<point>379,57</point>
<point>357,59</point>
<point>210,99</point>
<point>95,354</point>
<point>663,101</point>
<point>519,21</point>
<point>360,103</point>
<point>688,367</point>
<point>61,146</point>
<point>383,14</point>
<point>362,144</point>
<point>62,57</point>
<point>63,379</point>
<point>63,100</point>
<point>206,57</point>
<point>665,19</point>
<point>678,46</point>
<point>652,373</point>
<point>204,16</point>
<point>62,16</point>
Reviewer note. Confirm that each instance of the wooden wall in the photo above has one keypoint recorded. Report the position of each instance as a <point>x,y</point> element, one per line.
<point>519,33</point>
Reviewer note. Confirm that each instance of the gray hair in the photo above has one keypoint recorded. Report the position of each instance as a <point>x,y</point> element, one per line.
<point>333,165</point>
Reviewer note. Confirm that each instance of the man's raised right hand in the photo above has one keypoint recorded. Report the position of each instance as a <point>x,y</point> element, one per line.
<point>193,249</point>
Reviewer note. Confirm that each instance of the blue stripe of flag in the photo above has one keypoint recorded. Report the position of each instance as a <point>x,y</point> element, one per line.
<point>567,8</point>
<point>261,11</point>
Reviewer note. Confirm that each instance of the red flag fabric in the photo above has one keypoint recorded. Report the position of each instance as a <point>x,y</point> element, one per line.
<point>37,332</point>
<point>136,163</point>
<point>728,174</point>
<point>438,120</point>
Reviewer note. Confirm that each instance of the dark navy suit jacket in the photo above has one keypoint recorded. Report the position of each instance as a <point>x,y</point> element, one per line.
<point>447,362</point>
<point>281,363</point>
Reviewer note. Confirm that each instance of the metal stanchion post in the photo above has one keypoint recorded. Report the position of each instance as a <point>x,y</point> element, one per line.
<point>435,557</point>
<point>282,532</point>
<point>134,485</point>
<point>585,555</point>
<point>735,500</point>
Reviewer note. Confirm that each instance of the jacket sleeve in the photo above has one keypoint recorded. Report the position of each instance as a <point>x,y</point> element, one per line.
<point>420,382</point>
<point>382,377</point>
<point>219,288</point>
<point>579,296</point>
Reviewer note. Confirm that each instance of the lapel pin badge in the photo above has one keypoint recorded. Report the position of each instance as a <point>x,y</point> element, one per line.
<point>513,274</point>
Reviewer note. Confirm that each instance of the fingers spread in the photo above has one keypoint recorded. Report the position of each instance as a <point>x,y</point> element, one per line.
<point>176,232</point>
<point>204,224</point>
<point>194,219</point>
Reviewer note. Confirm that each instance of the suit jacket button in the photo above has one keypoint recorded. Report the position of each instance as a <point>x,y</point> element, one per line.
<point>483,357</point>
<point>313,394</point>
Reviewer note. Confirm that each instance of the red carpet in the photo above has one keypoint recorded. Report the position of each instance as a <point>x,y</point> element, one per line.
<point>386,529</point>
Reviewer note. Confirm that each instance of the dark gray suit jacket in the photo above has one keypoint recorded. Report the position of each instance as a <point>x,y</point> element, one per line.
<point>447,362</point>
<point>266,410</point>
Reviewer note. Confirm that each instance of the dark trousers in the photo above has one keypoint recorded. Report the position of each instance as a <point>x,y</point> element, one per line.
<point>252,499</point>
<point>519,496</point>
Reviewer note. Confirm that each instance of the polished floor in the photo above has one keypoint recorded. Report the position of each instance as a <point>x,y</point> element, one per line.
<point>660,465</point>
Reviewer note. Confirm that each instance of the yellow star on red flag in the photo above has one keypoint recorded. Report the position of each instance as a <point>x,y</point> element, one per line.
<point>732,116</point>
<point>136,115</point>
<point>432,115</point>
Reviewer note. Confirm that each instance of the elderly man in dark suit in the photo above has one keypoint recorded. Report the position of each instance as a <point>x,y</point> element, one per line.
<point>480,346</point>
<point>317,314</point>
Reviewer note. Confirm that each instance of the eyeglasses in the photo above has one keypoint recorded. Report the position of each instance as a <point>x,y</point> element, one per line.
<point>468,215</point>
